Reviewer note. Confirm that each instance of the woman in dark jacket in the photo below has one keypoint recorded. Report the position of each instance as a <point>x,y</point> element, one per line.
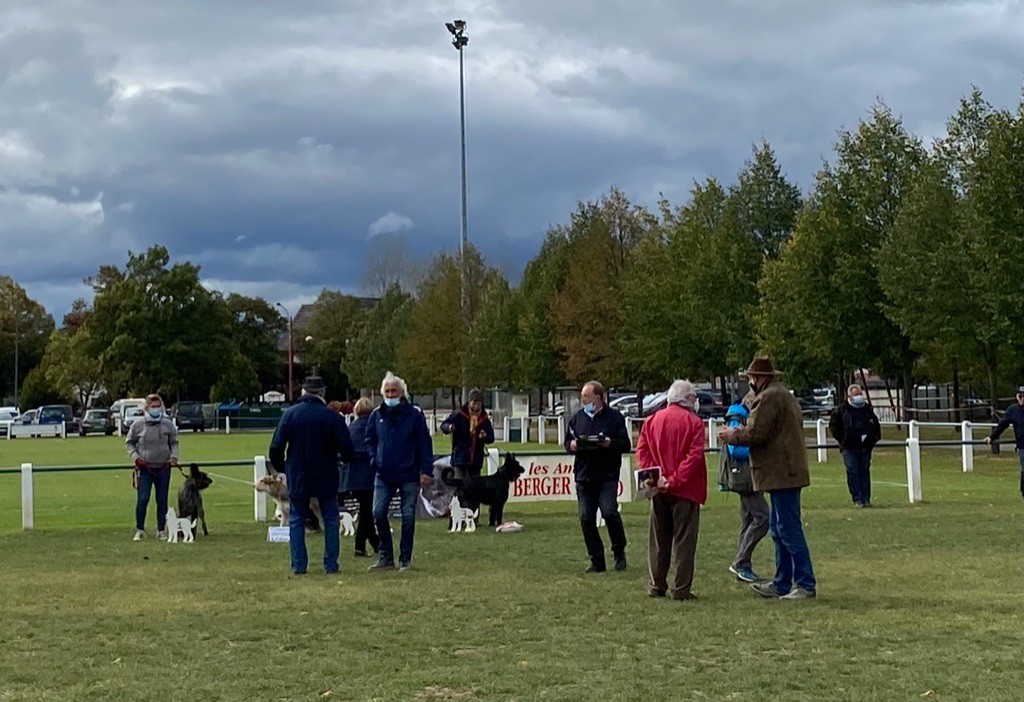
<point>357,479</point>
<point>471,431</point>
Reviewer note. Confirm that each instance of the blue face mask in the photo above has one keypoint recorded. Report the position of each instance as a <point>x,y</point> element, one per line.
<point>858,400</point>
<point>589,408</point>
<point>156,412</point>
<point>392,401</point>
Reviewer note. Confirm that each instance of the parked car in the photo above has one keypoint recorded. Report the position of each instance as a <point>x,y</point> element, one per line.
<point>130,415</point>
<point>97,421</point>
<point>8,416</point>
<point>55,414</point>
<point>188,414</point>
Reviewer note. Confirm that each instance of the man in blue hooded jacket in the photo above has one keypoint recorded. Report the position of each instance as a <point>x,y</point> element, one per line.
<point>734,476</point>
<point>315,437</point>
<point>398,440</point>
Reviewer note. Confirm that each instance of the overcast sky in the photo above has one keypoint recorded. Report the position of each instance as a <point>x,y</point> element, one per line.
<point>269,141</point>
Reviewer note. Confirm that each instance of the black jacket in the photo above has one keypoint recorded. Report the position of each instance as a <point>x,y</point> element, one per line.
<point>468,449</point>
<point>359,473</point>
<point>598,464</point>
<point>309,441</point>
<point>1015,416</point>
<point>855,428</point>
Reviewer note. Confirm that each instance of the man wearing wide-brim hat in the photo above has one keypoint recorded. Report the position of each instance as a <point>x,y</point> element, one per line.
<point>778,466</point>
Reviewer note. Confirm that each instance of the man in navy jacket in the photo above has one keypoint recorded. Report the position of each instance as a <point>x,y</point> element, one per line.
<point>399,442</point>
<point>1014,416</point>
<point>315,438</point>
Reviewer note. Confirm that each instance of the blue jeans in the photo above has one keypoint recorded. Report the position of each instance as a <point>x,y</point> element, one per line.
<point>792,557</point>
<point>297,532</point>
<point>162,481</point>
<point>601,496</point>
<point>858,475</point>
<point>382,494</point>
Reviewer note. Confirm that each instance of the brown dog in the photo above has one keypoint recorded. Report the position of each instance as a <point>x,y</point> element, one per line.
<point>276,486</point>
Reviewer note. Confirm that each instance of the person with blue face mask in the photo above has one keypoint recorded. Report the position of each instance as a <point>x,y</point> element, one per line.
<point>402,451</point>
<point>855,426</point>
<point>597,436</point>
<point>152,443</point>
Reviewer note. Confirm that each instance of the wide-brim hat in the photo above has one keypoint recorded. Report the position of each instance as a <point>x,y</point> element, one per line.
<point>314,383</point>
<point>761,367</point>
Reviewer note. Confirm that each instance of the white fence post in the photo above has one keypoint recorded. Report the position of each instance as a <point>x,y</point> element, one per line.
<point>820,438</point>
<point>227,425</point>
<point>540,428</point>
<point>259,469</point>
<point>913,430</point>
<point>506,425</point>
<point>914,470</point>
<point>63,430</point>
<point>28,514</point>
<point>712,433</point>
<point>561,429</point>
<point>967,450</point>
<point>524,429</point>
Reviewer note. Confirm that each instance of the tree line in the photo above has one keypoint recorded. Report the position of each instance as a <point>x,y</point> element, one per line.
<point>904,257</point>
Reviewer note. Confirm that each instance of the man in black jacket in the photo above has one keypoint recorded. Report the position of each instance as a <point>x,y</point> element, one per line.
<point>855,426</point>
<point>597,437</point>
<point>1014,415</point>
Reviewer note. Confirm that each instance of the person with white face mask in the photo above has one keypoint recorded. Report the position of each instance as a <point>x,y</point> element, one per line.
<point>855,427</point>
<point>152,443</point>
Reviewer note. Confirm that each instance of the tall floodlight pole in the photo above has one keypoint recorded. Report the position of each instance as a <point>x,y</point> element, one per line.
<point>460,39</point>
<point>291,353</point>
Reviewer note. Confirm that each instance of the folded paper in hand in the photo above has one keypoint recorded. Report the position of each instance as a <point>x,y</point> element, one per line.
<point>647,482</point>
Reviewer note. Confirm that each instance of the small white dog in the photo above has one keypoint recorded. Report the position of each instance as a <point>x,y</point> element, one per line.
<point>348,523</point>
<point>176,524</point>
<point>462,517</point>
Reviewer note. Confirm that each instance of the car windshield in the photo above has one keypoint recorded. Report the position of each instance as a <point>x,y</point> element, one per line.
<point>190,409</point>
<point>52,413</point>
<point>133,412</point>
<point>96,414</point>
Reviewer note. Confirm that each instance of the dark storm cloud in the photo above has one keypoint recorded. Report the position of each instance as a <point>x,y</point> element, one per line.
<point>270,141</point>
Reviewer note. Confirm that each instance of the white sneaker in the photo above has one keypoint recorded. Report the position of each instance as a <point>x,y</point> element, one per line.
<point>139,535</point>
<point>162,535</point>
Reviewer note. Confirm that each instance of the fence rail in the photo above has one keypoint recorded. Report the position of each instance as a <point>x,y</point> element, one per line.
<point>912,447</point>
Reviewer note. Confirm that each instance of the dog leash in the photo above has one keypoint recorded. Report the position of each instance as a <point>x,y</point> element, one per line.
<point>135,473</point>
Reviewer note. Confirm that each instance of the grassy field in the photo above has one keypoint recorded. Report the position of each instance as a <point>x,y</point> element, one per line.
<point>916,602</point>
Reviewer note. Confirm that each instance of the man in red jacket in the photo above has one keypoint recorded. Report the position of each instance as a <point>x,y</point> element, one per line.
<point>673,440</point>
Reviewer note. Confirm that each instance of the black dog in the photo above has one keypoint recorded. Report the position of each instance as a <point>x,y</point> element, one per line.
<point>486,489</point>
<point>190,497</point>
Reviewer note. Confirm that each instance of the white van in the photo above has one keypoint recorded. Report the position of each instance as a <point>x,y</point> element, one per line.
<point>119,408</point>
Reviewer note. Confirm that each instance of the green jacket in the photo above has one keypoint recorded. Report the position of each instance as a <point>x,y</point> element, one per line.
<point>775,435</point>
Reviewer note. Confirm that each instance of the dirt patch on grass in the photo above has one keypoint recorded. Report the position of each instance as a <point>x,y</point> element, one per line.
<point>436,692</point>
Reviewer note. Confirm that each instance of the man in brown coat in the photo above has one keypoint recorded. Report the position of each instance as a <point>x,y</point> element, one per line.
<point>778,466</point>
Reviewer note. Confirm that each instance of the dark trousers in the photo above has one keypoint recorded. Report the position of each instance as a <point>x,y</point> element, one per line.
<point>161,480</point>
<point>366,530</point>
<point>858,475</point>
<point>300,513</point>
<point>592,497</point>
<point>1020,455</point>
<point>792,557</point>
<point>753,526</point>
<point>674,525</point>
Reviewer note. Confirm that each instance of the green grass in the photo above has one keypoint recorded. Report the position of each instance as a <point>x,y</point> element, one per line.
<point>916,602</point>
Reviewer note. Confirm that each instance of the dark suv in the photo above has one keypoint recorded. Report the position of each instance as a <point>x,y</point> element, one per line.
<point>97,421</point>
<point>55,414</point>
<point>188,415</point>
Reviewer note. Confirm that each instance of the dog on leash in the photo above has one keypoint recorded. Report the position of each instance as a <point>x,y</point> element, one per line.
<point>276,486</point>
<point>491,490</point>
<point>348,523</point>
<point>462,517</point>
<point>177,524</point>
<point>190,497</point>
